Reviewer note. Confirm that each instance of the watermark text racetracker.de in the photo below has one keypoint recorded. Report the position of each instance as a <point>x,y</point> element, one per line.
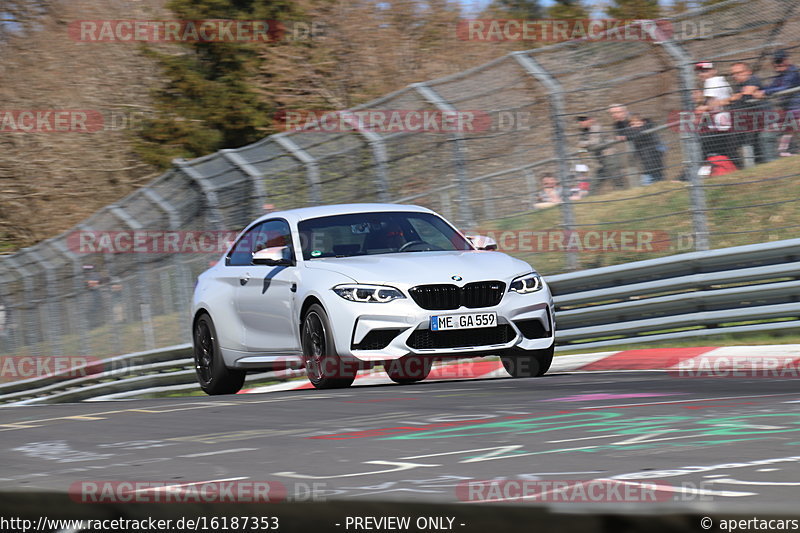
<point>171,492</point>
<point>150,241</point>
<point>71,120</point>
<point>50,121</point>
<point>509,241</point>
<point>17,367</point>
<point>384,121</point>
<point>193,31</point>
<point>65,367</point>
<point>736,121</point>
<point>560,30</point>
<point>599,241</point>
<point>203,492</point>
<point>593,491</point>
<point>711,366</point>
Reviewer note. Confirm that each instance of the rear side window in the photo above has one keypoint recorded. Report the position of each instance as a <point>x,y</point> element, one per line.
<point>268,234</point>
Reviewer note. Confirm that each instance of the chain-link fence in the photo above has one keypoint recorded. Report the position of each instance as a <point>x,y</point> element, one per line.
<point>587,161</point>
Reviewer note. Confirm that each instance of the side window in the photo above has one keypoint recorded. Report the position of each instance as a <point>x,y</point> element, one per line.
<point>269,234</point>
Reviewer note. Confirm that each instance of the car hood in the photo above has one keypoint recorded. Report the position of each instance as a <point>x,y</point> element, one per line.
<point>414,268</point>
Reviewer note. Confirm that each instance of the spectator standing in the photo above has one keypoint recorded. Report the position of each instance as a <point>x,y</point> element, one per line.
<point>591,138</point>
<point>748,98</point>
<point>94,313</point>
<point>717,138</point>
<point>787,77</point>
<point>648,148</point>
<point>621,117</point>
<point>621,120</point>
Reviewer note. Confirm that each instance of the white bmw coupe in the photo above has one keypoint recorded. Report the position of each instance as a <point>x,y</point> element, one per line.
<point>340,288</point>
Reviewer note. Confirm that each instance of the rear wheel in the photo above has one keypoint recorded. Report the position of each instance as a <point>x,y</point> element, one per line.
<point>408,369</point>
<point>521,363</point>
<point>324,367</point>
<point>212,374</point>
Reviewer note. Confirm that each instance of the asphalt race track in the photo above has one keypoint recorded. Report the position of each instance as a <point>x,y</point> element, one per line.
<point>717,444</point>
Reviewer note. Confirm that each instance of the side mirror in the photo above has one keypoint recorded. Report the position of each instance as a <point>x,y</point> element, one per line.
<point>275,256</point>
<point>482,242</point>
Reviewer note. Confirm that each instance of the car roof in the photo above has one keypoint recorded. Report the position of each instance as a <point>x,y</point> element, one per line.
<point>304,213</point>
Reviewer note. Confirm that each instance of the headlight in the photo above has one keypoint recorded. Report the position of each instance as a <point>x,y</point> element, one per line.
<point>368,293</point>
<point>526,284</point>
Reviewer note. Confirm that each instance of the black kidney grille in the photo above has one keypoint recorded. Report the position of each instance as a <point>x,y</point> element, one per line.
<point>423,339</point>
<point>482,294</point>
<point>472,295</point>
<point>437,296</point>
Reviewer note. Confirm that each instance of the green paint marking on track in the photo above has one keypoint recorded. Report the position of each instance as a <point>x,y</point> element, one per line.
<point>703,431</point>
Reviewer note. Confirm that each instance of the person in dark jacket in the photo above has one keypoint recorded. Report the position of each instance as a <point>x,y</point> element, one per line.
<point>744,101</point>
<point>787,77</point>
<point>648,148</point>
<point>617,160</point>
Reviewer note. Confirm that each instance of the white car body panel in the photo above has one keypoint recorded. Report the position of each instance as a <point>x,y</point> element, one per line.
<point>256,309</point>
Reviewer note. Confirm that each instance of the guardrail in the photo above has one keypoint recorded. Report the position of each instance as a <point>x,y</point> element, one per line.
<point>135,374</point>
<point>731,290</point>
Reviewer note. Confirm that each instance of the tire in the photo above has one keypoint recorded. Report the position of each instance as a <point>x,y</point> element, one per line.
<point>408,369</point>
<point>324,368</point>
<point>521,363</point>
<point>212,374</point>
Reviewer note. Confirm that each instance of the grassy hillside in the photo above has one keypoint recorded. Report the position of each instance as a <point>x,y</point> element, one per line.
<point>754,205</point>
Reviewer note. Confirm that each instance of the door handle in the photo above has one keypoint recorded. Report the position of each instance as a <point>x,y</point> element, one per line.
<point>244,279</point>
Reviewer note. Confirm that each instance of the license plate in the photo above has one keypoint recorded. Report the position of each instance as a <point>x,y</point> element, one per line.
<point>464,321</point>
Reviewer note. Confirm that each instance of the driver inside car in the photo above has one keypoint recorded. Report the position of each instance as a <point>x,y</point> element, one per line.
<point>389,237</point>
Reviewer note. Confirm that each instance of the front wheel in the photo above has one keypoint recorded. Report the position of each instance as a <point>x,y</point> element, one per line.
<point>324,368</point>
<point>212,374</point>
<point>521,363</point>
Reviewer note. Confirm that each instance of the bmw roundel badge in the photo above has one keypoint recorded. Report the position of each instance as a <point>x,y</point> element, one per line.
<point>456,278</point>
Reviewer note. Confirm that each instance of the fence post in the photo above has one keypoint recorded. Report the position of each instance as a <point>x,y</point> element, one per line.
<point>26,308</point>
<point>555,96</point>
<point>488,200</point>
<point>92,301</point>
<point>465,219</point>
<point>530,181</point>
<point>144,298</point>
<point>690,142</point>
<point>53,332</point>
<point>215,214</point>
<point>10,324</point>
<point>312,169</point>
<point>378,148</point>
<point>256,179</point>
<point>182,274</point>
<point>77,282</point>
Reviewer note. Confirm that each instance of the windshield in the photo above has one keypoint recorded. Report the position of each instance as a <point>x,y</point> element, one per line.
<point>377,233</point>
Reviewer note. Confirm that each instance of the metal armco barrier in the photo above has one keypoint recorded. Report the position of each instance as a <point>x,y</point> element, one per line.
<point>733,290</point>
<point>730,290</point>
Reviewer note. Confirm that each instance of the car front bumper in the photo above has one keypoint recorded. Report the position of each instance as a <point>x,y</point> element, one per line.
<point>352,322</point>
